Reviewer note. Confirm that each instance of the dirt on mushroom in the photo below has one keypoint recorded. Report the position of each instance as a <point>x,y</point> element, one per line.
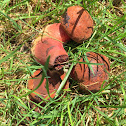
<point>88,79</point>
<point>77,23</point>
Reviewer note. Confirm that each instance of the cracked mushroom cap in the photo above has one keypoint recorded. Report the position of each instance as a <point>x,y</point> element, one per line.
<point>43,47</point>
<point>84,75</point>
<point>54,83</point>
<point>77,23</point>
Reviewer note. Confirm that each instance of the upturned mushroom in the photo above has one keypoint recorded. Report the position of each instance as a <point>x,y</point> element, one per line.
<point>55,31</point>
<point>43,47</point>
<point>77,23</point>
<point>85,77</point>
<point>54,81</point>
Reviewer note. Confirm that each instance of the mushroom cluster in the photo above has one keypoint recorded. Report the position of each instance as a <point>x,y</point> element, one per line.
<point>76,24</point>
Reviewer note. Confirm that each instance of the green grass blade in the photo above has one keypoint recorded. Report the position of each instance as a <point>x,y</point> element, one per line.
<point>16,26</point>
<point>64,81</point>
<point>11,54</point>
<point>69,113</point>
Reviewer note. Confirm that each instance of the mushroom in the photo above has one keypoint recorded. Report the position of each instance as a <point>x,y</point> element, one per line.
<point>56,32</point>
<point>84,75</point>
<point>43,47</point>
<point>77,23</point>
<point>55,78</point>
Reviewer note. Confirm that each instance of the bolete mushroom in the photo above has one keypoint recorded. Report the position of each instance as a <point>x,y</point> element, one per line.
<point>77,23</point>
<point>84,75</point>
<point>43,47</point>
<point>55,31</point>
<point>54,80</point>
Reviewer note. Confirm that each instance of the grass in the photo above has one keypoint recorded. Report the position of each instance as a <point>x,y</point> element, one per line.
<point>20,22</point>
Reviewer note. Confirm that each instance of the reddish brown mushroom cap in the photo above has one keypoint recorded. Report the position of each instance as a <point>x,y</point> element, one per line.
<point>55,31</point>
<point>54,83</point>
<point>43,47</point>
<point>77,23</point>
<point>85,77</point>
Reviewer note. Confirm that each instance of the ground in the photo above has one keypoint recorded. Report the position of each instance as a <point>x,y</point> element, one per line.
<point>21,21</point>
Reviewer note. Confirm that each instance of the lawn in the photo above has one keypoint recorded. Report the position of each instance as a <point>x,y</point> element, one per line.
<point>21,21</point>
